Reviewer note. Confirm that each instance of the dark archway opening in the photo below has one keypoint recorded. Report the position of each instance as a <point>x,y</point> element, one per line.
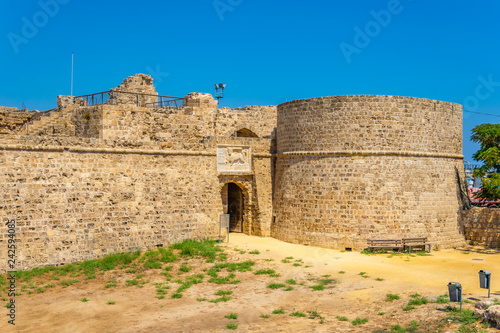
<point>245,133</point>
<point>235,207</point>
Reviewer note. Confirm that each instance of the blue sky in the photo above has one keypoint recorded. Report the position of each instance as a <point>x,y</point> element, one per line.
<point>267,52</point>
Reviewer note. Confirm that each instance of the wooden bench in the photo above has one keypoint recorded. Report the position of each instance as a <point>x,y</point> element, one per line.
<point>394,244</point>
<point>416,242</point>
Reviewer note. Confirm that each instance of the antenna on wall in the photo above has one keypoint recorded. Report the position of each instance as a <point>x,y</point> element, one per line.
<point>71,74</point>
<point>219,91</point>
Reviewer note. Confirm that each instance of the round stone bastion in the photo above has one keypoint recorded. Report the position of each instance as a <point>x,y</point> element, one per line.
<point>352,168</point>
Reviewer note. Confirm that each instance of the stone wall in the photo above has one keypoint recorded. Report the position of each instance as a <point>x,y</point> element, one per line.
<point>80,198</point>
<point>261,120</point>
<point>329,171</point>
<point>351,168</point>
<point>12,118</point>
<point>482,225</point>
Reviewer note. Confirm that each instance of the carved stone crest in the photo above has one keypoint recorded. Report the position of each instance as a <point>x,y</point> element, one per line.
<point>234,159</point>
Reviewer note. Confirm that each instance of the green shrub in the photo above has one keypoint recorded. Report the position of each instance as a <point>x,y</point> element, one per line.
<point>359,321</point>
<point>391,297</point>
<point>231,326</point>
<point>318,287</point>
<point>232,316</point>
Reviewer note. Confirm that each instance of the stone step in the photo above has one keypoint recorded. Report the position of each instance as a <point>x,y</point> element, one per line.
<point>46,126</point>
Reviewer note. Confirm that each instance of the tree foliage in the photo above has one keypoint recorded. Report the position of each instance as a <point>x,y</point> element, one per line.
<point>488,136</point>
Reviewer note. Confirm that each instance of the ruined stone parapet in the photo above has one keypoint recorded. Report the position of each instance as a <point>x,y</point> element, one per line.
<point>11,118</point>
<point>351,168</point>
<point>201,100</point>
<point>140,91</point>
<point>63,100</point>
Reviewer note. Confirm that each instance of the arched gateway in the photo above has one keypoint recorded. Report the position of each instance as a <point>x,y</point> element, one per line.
<point>234,205</point>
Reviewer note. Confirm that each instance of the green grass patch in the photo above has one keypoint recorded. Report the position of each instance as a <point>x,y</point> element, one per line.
<point>133,282</point>
<point>191,280</point>
<point>443,299</point>
<point>84,299</point>
<point>298,314</point>
<point>359,321</point>
<point>327,281</point>
<point>276,285</point>
<point>363,275</point>
<point>288,288</point>
<point>279,311</point>
<point>176,295</point>
<point>264,271</point>
<point>111,303</point>
<point>467,319</point>
<point>314,315</point>
<point>221,299</point>
<point>184,268</point>
<point>418,301</point>
<point>254,252</point>
<point>291,281</point>
<point>231,326</point>
<point>67,283</point>
<point>192,248</point>
<point>265,315</point>
<point>408,307</point>
<point>223,292</point>
<point>231,316</point>
<point>229,279</point>
<point>318,287</point>
<point>342,318</point>
<point>391,297</point>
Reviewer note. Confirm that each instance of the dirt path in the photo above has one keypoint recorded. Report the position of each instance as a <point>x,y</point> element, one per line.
<point>138,310</point>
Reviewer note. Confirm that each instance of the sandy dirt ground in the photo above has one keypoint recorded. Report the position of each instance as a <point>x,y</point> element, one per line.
<point>353,296</point>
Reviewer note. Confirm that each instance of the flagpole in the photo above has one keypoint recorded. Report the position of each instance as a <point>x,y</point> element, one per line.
<point>71,74</point>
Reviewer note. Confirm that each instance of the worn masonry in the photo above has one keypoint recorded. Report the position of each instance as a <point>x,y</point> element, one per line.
<point>131,169</point>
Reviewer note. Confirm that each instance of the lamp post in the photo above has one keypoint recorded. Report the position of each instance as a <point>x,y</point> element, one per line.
<point>219,92</point>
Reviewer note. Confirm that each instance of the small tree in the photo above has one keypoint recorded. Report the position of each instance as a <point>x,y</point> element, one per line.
<point>488,136</point>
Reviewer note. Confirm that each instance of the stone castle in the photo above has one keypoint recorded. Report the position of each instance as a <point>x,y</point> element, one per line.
<point>128,169</point>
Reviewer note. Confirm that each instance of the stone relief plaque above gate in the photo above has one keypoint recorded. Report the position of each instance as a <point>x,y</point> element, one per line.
<point>234,159</point>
